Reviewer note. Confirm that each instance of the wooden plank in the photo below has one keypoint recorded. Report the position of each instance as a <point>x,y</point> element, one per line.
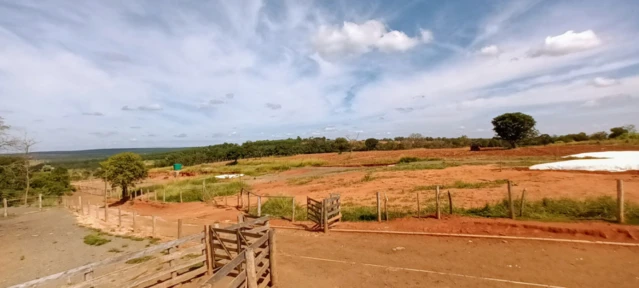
<point>252,235</point>
<point>226,269</point>
<point>238,281</point>
<point>222,256</point>
<point>163,273</point>
<point>220,247</point>
<point>116,259</point>
<point>218,238</point>
<point>258,230</point>
<point>250,223</point>
<point>259,242</point>
<point>107,279</point>
<point>182,278</point>
<point>263,269</point>
<point>251,277</point>
<point>222,230</point>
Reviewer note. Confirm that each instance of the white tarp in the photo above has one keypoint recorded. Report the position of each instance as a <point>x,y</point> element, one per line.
<point>228,176</point>
<point>611,161</point>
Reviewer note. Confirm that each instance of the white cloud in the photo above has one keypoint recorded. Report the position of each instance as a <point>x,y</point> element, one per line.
<point>491,50</point>
<point>427,35</point>
<point>604,82</point>
<point>133,139</point>
<point>273,106</point>
<point>151,107</point>
<point>330,128</point>
<point>355,39</point>
<point>92,114</point>
<point>480,130</point>
<point>462,127</point>
<point>567,43</point>
<point>181,135</point>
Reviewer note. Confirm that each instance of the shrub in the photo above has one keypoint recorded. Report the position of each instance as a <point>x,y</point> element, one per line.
<point>405,160</point>
<point>95,240</point>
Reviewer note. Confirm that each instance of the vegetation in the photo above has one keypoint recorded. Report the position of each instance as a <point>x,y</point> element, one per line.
<point>193,190</point>
<point>514,127</point>
<point>95,239</point>
<point>281,207</point>
<point>139,260</point>
<point>122,170</point>
<point>371,143</point>
<point>465,185</point>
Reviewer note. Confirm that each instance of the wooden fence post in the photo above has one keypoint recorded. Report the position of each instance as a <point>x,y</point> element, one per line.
<point>153,225</point>
<point>450,203</point>
<point>259,206</point>
<point>164,194</point>
<point>620,202</point>
<point>325,214</point>
<point>80,204</point>
<point>521,204</point>
<point>106,211</point>
<point>180,195</point>
<point>251,273</point>
<point>119,217</point>
<point>133,225</point>
<point>179,235</point>
<point>386,206</point>
<point>209,260</point>
<point>240,218</point>
<point>510,201</point>
<point>239,196</point>
<point>418,212</point>
<point>4,203</point>
<point>379,209</point>
<point>293,216</point>
<point>40,202</point>
<point>273,260</point>
<point>437,206</point>
<point>248,203</point>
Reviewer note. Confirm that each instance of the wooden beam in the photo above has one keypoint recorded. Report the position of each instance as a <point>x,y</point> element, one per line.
<point>272,259</point>
<point>251,277</point>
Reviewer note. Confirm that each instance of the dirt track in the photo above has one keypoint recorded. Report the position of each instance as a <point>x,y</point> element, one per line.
<point>38,244</point>
<point>338,260</point>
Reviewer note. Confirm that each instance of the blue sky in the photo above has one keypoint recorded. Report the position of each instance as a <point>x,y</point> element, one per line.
<point>101,74</point>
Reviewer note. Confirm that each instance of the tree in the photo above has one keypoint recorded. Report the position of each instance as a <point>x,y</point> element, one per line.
<point>544,139</point>
<point>5,141</point>
<point>602,135</point>
<point>514,127</point>
<point>342,144</point>
<point>122,170</point>
<point>25,145</point>
<point>371,143</point>
<point>234,153</point>
<point>617,131</point>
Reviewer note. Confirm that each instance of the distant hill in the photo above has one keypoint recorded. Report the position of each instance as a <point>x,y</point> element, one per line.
<point>55,156</point>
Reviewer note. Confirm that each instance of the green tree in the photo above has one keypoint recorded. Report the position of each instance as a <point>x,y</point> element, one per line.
<point>234,153</point>
<point>514,127</point>
<point>371,143</point>
<point>544,139</point>
<point>342,144</point>
<point>602,135</point>
<point>122,170</point>
<point>618,131</point>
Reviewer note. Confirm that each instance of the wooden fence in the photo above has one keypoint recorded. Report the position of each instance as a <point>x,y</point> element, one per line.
<point>243,255</point>
<point>324,213</point>
<point>162,265</point>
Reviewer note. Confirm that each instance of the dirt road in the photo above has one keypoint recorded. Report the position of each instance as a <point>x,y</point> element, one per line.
<point>35,244</point>
<point>361,260</point>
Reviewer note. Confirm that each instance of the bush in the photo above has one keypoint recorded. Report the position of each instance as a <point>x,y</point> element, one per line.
<point>405,160</point>
<point>95,240</point>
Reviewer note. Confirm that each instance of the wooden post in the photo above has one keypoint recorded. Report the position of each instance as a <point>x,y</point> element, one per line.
<point>80,204</point>
<point>293,203</point>
<point>133,225</point>
<point>386,206</point>
<point>620,201</point>
<point>521,204</point>
<point>172,263</point>
<point>226,201</point>
<point>510,201</point>
<point>155,196</point>
<point>179,229</point>
<point>203,187</point>
<point>4,203</point>
<point>153,225</point>
<point>450,203</point>
<point>259,206</point>
<point>379,209</point>
<point>325,214</point>
<point>418,212</point>
<point>240,218</point>
<point>180,195</point>
<point>207,242</point>
<point>437,206</point>
<point>119,217</point>
<point>248,202</point>
<point>40,202</point>
<point>239,197</point>
<point>251,273</point>
<point>164,194</point>
<point>273,260</point>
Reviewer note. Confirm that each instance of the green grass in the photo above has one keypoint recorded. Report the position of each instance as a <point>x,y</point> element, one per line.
<point>192,189</point>
<point>563,209</point>
<point>302,180</point>
<point>255,167</point>
<point>95,239</point>
<point>281,207</point>
<point>423,165</point>
<point>139,260</point>
<point>115,250</point>
<point>465,185</point>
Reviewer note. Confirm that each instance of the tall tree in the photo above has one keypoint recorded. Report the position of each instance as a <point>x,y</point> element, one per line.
<point>371,143</point>
<point>122,170</point>
<point>24,145</point>
<point>514,127</point>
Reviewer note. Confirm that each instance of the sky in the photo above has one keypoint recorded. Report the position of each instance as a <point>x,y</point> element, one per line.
<point>112,74</point>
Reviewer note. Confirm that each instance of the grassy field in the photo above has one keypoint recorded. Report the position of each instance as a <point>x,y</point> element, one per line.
<point>201,189</point>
